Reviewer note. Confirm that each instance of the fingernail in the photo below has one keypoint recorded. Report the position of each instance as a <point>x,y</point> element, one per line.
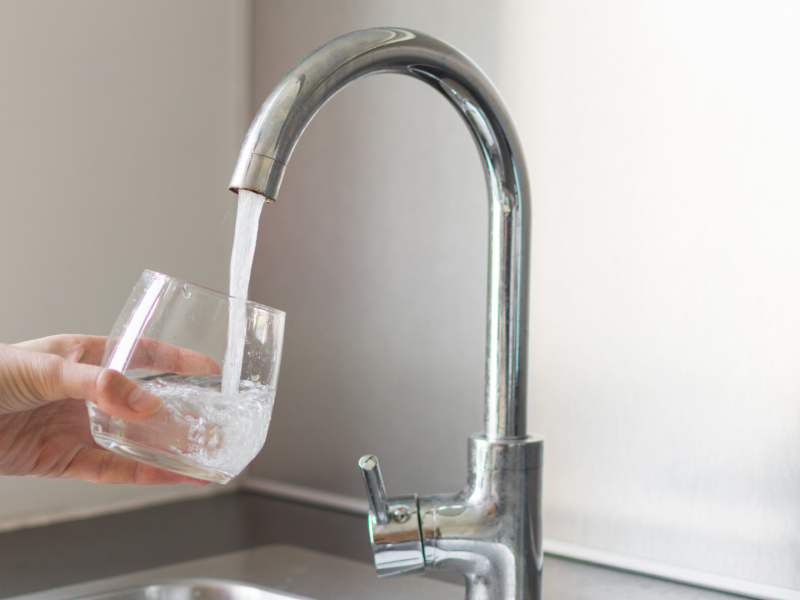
<point>142,402</point>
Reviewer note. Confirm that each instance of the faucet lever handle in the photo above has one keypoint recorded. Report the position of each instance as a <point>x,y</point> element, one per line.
<point>375,490</point>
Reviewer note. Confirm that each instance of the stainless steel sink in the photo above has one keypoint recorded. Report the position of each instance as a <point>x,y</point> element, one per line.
<point>195,589</point>
<point>265,573</point>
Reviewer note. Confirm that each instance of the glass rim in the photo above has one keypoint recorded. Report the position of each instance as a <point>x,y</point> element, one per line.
<point>217,293</point>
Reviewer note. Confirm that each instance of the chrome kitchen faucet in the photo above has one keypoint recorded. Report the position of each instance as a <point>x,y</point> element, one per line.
<point>491,530</point>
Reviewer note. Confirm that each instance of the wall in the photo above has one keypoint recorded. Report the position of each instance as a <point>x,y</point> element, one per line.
<point>120,125</point>
<point>663,141</point>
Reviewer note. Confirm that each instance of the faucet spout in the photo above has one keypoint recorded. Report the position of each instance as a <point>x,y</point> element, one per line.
<point>290,107</point>
<point>491,531</point>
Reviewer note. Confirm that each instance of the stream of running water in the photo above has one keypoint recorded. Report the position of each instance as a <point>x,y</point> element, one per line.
<point>244,247</point>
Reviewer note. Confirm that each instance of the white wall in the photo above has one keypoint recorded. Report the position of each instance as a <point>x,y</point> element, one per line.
<point>119,126</point>
<point>663,140</point>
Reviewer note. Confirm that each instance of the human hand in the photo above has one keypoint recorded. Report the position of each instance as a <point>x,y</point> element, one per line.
<point>44,425</point>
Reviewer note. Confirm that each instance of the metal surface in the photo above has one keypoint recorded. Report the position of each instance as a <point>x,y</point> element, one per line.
<point>491,531</point>
<point>397,544</point>
<point>194,589</point>
<point>393,525</point>
<point>376,492</point>
<point>484,531</point>
<point>297,98</point>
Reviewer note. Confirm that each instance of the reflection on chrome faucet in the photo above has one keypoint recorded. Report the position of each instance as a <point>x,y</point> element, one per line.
<point>491,530</point>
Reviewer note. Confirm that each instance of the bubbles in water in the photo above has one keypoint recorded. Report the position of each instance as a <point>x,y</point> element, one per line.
<point>198,425</point>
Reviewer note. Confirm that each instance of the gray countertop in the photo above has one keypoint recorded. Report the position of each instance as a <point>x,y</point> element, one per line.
<point>289,572</point>
<point>42,558</point>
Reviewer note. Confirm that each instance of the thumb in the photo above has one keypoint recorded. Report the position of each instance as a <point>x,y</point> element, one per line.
<point>30,379</point>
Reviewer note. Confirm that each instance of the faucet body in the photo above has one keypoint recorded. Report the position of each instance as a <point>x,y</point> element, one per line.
<point>491,530</point>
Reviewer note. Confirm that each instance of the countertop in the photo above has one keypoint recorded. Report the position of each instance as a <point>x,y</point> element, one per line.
<point>46,557</point>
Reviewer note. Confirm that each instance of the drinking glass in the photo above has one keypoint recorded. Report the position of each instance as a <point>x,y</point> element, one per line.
<point>212,359</point>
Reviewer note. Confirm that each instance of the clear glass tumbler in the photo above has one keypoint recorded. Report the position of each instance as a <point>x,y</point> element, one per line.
<point>212,359</point>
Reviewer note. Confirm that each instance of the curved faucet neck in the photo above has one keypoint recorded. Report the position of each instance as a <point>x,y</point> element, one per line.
<point>297,98</point>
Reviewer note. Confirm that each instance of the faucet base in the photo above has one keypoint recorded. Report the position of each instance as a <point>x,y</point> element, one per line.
<point>491,531</point>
